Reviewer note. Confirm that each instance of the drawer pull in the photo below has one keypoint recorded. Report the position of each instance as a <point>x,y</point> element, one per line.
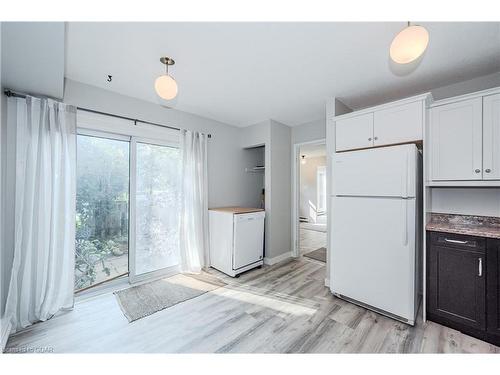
<point>456,241</point>
<point>480,271</point>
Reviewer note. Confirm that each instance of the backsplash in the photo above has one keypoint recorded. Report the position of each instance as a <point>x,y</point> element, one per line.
<point>466,201</point>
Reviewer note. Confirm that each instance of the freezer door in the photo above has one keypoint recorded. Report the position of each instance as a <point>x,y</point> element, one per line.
<point>248,239</point>
<point>385,171</point>
<point>373,252</point>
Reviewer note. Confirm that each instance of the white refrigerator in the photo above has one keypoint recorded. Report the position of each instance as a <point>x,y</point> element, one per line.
<point>375,234</point>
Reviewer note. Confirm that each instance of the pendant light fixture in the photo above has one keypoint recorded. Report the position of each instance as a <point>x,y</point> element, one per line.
<point>409,44</point>
<point>165,85</point>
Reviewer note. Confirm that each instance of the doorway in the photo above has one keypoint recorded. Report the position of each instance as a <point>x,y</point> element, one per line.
<point>310,197</point>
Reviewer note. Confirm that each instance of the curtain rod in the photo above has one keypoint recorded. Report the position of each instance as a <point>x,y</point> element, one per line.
<point>13,94</point>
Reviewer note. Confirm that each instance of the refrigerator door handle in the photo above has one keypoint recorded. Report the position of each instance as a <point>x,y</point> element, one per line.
<point>406,175</point>
<point>405,227</point>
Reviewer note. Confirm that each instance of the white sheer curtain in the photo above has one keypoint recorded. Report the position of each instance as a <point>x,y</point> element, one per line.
<point>42,276</point>
<point>194,202</point>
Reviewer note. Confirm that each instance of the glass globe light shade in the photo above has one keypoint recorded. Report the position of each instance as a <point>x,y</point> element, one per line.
<point>409,44</point>
<point>166,87</point>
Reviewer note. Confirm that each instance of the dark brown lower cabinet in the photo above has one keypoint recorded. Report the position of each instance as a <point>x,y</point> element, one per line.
<point>463,284</point>
<point>456,282</point>
<point>493,291</point>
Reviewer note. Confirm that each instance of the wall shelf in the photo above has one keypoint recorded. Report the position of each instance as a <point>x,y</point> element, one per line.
<point>255,169</point>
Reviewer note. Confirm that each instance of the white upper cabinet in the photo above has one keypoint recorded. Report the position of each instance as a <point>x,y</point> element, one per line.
<point>387,124</point>
<point>456,141</point>
<point>400,124</point>
<point>491,137</point>
<point>354,132</point>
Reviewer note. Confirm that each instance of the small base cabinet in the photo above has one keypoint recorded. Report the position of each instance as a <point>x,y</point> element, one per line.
<point>493,291</point>
<point>463,284</point>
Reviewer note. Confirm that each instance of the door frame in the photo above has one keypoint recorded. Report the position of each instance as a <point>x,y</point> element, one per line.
<point>296,191</point>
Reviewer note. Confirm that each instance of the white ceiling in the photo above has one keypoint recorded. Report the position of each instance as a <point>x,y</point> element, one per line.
<point>243,73</point>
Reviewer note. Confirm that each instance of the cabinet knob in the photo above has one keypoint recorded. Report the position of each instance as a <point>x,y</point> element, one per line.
<point>370,138</point>
<point>477,170</point>
<point>375,138</point>
<point>487,170</point>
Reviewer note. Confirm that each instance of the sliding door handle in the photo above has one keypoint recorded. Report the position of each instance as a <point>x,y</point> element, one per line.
<point>480,266</point>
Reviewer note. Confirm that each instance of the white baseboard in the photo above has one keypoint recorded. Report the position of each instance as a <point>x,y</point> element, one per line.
<point>279,258</point>
<point>6,328</point>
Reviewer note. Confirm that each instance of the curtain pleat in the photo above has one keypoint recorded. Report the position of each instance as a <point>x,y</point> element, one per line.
<point>42,278</point>
<point>194,202</point>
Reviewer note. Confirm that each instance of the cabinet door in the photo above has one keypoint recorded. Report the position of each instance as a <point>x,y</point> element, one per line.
<point>493,290</point>
<point>456,285</point>
<point>456,141</point>
<point>400,124</point>
<point>491,137</point>
<point>355,132</point>
<point>248,239</point>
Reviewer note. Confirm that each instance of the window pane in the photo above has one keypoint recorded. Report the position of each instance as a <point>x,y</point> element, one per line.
<point>102,197</point>
<point>157,208</point>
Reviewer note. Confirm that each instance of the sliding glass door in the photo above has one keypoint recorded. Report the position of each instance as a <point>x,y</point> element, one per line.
<point>102,209</point>
<point>155,208</point>
<point>120,233</point>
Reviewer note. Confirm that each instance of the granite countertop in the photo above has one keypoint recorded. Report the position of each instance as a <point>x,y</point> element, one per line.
<point>480,226</point>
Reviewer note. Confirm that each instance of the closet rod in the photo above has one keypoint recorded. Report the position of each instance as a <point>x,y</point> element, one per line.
<point>13,94</point>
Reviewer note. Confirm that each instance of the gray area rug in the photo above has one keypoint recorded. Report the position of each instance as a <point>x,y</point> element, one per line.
<point>319,254</point>
<point>142,300</point>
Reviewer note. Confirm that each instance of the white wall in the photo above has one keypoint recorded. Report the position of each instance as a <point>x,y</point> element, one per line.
<point>308,197</point>
<point>310,131</point>
<point>3,262</point>
<point>227,180</point>
<point>466,201</point>
<point>33,58</point>
<point>465,87</point>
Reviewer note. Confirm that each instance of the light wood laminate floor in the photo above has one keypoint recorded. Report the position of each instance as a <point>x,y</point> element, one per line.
<point>279,309</point>
<point>310,240</point>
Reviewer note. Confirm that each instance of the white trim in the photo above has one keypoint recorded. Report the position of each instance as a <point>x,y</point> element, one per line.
<point>279,258</point>
<point>458,183</point>
<point>147,277</point>
<point>296,191</point>
<point>102,134</point>
<point>6,329</point>
<point>460,98</point>
<point>427,97</point>
<point>327,282</point>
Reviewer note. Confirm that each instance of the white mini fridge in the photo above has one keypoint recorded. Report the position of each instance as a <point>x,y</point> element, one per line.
<point>375,247</point>
<point>236,239</point>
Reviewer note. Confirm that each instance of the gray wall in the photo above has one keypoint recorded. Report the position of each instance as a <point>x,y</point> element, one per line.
<point>281,182</point>
<point>277,140</point>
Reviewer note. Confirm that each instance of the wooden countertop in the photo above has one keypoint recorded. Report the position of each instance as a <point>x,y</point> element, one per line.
<point>237,210</point>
